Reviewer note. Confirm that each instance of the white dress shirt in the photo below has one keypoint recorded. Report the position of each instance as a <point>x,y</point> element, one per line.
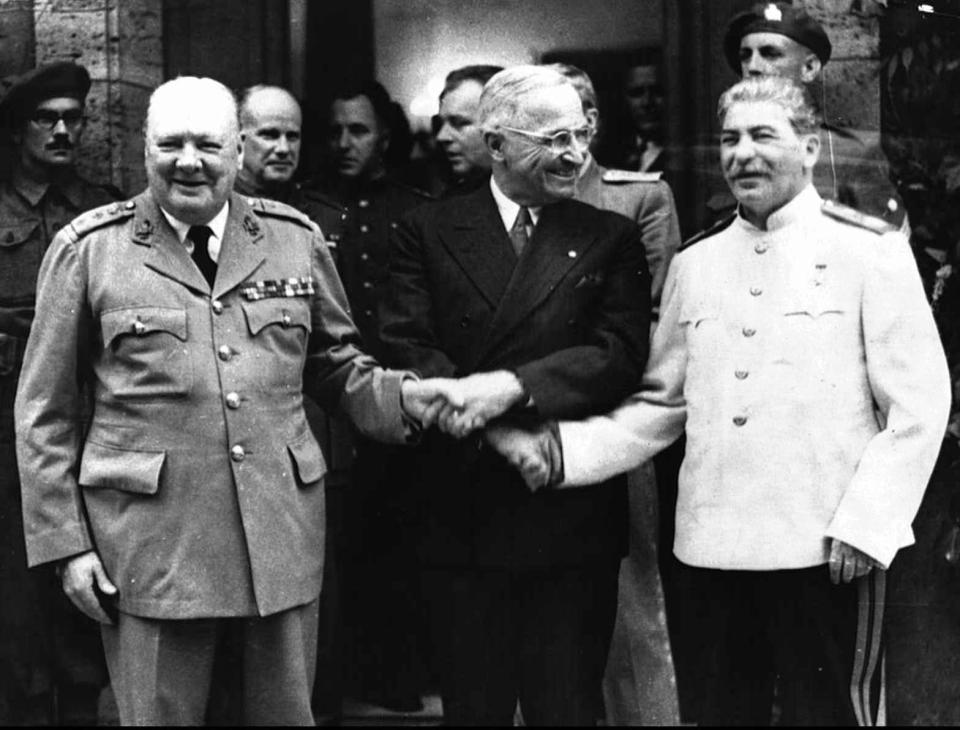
<point>217,224</point>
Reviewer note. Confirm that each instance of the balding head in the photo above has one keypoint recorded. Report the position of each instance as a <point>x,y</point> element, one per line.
<point>192,147</point>
<point>270,124</point>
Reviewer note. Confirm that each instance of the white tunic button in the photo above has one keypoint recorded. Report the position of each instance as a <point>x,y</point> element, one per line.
<point>237,453</point>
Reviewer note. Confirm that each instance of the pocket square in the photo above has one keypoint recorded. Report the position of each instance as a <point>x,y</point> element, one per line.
<point>588,280</point>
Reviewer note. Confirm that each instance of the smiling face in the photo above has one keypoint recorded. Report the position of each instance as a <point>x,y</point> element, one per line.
<point>765,162</point>
<point>459,135</point>
<point>54,148</point>
<point>271,137</point>
<point>529,172</point>
<point>192,152</point>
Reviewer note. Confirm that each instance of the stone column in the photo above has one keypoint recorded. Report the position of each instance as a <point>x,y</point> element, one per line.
<point>120,44</point>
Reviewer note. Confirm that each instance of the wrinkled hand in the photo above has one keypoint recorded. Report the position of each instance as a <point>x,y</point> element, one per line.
<point>528,451</point>
<point>77,577</point>
<point>847,563</point>
<point>485,396</point>
<point>423,400</point>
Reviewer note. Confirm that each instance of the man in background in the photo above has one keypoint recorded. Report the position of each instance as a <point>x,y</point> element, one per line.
<point>644,97</point>
<point>51,662</point>
<point>457,129</point>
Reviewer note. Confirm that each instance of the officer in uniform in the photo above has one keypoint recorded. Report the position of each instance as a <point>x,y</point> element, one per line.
<point>639,684</point>
<point>783,40</point>
<point>49,655</point>
<point>797,351</point>
<point>187,515</point>
<point>271,131</point>
<point>379,580</point>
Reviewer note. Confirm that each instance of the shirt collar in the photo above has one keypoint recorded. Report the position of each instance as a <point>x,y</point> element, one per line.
<point>508,209</point>
<point>33,191</point>
<point>804,205</point>
<point>217,224</point>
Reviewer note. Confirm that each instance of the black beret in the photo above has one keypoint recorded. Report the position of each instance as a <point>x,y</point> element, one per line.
<point>54,80</point>
<point>781,18</point>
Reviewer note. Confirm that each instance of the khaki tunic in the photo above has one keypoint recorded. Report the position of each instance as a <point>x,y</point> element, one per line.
<point>198,481</point>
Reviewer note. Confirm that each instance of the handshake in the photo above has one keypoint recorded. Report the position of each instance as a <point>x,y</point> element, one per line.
<point>460,407</point>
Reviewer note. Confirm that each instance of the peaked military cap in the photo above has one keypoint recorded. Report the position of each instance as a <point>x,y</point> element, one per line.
<point>781,18</point>
<point>54,80</point>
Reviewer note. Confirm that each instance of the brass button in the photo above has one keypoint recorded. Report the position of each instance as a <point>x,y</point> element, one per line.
<point>749,332</point>
<point>285,319</point>
<point>224,352</point>
<point>367,285</point>
<point>571,254</point>
<point>363,203</point>
<point>237,453</point>
<point>217,306</point>
<point>364,228</point>
<point>741,374</point>
<point>364,256</point>
<point>139,327</point>
<point>368,312</point>
<point>233,400</point>
<point>756,291</point>
<point>343,216</point>
<point>761,248</point>
<point>739,420</point>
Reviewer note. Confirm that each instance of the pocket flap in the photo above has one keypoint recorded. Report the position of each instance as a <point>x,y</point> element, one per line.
<point>14,235</point>
<point>140,321</point>
<point>308,458</point>
<point>106,467</point>
<point>695,313</point>
<point>815,307</point>
<point>283,312</point>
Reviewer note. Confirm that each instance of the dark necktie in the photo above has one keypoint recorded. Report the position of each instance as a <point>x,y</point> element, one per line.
<point>518,234</point>
<point>200,235</point>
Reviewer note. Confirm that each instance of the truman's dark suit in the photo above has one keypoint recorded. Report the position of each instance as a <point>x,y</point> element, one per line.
<point>571,318</point>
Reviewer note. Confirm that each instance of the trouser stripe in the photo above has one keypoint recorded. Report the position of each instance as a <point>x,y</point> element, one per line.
<point>871,594</point>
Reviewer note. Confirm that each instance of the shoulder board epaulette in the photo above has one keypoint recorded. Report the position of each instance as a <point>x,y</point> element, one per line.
<point>276,209</point>
<point>707,232</point>
<point>102,216</point>
<point>629,176</point>
<point>315,196</point>
<point>852,216</point>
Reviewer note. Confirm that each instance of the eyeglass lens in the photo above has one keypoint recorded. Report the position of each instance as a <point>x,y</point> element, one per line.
<point>48,118</point>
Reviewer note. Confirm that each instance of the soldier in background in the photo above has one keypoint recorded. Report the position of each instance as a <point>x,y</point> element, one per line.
<point>379,582</point>
<point>51,662</point>
<point>777,39</point>
<point>639,685</point>
<point>457,130</point>
<point>271,131</point>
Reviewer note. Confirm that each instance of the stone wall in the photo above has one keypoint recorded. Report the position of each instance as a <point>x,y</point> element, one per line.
<point>120,44</point>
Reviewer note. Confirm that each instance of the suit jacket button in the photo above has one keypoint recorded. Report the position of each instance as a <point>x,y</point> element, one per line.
<point>364,228</point>
<point>739,420</point>
<point>224,352</point>
<point>756,291</point>
<point>749,332</point>
<point>233,401</point>
<point>237,453</point>
<point>217,306</point>
<point>741,374</point>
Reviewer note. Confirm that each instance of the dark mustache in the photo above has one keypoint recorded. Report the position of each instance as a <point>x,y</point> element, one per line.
<point>60,144</point>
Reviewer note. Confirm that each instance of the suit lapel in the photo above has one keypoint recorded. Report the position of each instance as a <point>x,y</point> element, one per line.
<point>167,256</point>
<point>478,241</point>
<point>240,254</point>
<point>558,242</point>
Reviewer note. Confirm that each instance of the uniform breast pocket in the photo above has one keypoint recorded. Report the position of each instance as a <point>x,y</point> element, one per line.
<point>146,352</point>
<point>279,329</point>
<point>703,331</point>
<point>21,250</point>
<point>811,331</point>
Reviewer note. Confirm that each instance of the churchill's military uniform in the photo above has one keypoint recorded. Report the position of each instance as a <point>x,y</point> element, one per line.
<point>46,645</point>
<point>197,481</point>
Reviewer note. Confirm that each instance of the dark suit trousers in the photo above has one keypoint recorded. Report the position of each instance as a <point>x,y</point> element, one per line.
<point>537,636</point>
<point>162,671</point>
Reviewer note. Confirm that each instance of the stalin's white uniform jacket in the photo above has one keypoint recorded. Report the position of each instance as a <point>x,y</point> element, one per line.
<point>804,365</point>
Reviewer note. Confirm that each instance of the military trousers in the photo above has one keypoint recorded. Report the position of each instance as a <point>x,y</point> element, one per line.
<point>164,672</point>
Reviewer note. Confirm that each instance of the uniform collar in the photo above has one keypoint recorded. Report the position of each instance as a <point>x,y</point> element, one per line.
<point>804,205</point>
<point>509,209</point>
<point>217,224</point>
<point>33,191</point>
